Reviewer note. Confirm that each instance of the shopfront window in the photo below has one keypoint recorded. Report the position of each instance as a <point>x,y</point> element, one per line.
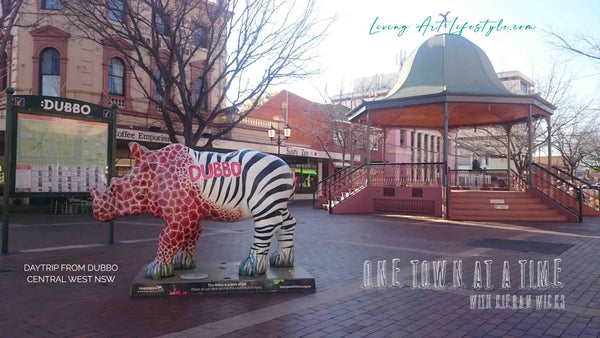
<point>306,177</point>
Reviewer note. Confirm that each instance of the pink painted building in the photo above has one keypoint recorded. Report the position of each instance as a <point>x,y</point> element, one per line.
<point>415,146</point>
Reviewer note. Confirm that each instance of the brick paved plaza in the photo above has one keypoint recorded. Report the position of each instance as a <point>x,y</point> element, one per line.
<point>333,248</point>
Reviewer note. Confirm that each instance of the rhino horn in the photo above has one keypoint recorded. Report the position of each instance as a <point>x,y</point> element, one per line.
<point>137,151</point>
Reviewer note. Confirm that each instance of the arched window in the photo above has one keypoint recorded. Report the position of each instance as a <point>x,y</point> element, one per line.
<point>50,72</point>
<point>116,77</point>
<point>198,83</point>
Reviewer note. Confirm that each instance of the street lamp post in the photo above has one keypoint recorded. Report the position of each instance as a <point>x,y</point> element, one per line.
<point>287,132</point>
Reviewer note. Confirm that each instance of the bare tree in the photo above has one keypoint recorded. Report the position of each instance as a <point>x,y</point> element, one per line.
<point>581,44</point>
<point>592,159</point>
<point>494,142</point>
<point>573,140</point>
<point>556,88</point>
<point>329,125</point>
<point>9,18</point>
<point>238,47</point>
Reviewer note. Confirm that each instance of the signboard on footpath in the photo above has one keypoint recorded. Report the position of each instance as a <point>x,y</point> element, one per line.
<point>55,147</point>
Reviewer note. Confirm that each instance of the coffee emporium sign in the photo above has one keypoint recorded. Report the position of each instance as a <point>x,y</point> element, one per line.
<point>143,136</point>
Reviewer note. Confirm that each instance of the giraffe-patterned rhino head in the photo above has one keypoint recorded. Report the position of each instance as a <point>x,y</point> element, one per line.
<point>127,195</point>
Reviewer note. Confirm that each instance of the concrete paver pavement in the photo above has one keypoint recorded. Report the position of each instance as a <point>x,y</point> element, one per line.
<point>331,247</point>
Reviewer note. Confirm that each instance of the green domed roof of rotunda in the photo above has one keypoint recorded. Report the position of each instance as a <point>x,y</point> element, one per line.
<point>447,63</point>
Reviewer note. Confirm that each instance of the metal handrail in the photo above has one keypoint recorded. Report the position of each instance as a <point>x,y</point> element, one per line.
<point>499,174</point>
<point>578,198</point>
<point>588,186</point>
<point>406,163</point>
<point>569,175</point>
<point>339,180</point>
<point>407,174</point>
<point>383,166</point>
<point>555,176</point>
<point>323,182</point>
<point>522,180</point>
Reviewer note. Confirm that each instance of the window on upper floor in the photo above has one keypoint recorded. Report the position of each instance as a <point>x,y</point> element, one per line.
<point>160,23</point>
<point>52,4</point>
<point>116,10</point>
<point>201,37</point>
<point>158,76</point>
<point>338,138</point>
<point>359,140</point>
<point>116,77</point>
<point>198,85</point>
<point>402,137</point>
<point>50,72</point>
<point>524,88</point>
<point>374,143</point>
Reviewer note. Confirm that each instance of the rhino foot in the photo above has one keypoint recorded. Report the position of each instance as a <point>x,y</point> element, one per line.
<point>183,260</point>
<point>255,265</point>
<point>283,258</point>
<point>157,270</point>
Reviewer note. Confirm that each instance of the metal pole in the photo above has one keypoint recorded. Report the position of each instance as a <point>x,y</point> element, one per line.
<point>368,145</point>
<point>111,169</point>
<point>508,128</point>
<point>580,198</point>
<point>529,149</point>
<point>7,166</point>
<point>446,185</point>
<point>329,197</point>
<point>384,146</point>
<point>549,144</point>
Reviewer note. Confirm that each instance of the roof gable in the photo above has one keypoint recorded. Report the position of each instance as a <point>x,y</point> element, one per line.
<point>49,31</point>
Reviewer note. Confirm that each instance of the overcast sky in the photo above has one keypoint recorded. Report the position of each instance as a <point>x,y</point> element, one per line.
<point>352,49</point>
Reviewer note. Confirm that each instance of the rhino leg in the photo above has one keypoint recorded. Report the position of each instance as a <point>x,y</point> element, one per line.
<point>257,261</point>
<point>284,257</point>
<point>169,240</point>
<point>185,257</point>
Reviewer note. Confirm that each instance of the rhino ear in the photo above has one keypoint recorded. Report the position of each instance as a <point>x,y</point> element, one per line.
<point>94,193</point>
<point>137,151</point>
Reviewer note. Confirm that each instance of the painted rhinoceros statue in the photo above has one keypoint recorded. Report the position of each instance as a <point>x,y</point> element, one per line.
<point>182,186</point>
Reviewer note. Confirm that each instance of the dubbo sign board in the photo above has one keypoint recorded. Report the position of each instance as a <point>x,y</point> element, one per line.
<point>61,146</point>
<point>55,147</point>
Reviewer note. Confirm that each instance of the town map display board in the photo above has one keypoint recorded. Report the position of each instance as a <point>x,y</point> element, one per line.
<point>57,148</point>
<point>56,154</point>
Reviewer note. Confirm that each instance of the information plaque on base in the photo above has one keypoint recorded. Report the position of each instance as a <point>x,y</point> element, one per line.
<point>223,278</point>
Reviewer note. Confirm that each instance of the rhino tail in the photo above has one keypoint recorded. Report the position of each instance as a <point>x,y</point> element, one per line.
<point>293,188</point>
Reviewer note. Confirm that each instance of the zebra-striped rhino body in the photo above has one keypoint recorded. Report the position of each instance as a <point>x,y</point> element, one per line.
<point>182,186</point>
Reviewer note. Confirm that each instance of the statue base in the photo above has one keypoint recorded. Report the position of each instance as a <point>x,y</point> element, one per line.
<point>223,278</point>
